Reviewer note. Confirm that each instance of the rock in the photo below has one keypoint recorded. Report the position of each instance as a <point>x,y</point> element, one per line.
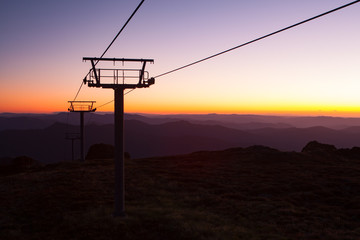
<point>318,148</point>
<point>24,162</point>
<point>100,151</point>
<point>103,151</point>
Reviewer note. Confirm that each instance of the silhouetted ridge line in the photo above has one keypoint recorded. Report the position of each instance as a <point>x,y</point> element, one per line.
<point>258,39</point>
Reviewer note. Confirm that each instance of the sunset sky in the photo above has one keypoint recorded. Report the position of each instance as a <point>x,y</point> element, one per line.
<point>313,69</point>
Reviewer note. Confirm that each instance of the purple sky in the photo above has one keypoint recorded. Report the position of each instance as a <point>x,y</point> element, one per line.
<point>312,69</point>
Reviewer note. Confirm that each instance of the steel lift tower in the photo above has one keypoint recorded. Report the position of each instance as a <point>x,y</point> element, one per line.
<point>81,107</point>
<point>120,79</point>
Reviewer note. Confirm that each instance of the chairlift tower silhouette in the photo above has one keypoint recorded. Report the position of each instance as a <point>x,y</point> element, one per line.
<point>81,107</point>
<point>121,79</point>
<point>72,137</point>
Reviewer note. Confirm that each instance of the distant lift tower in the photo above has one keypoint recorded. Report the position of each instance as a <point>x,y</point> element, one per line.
<point>81,107</point>
<point>72,137</point>
<point>119,80</point>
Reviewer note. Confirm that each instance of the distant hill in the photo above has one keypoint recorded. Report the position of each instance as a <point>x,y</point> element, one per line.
<point>169,138</point>
<point>181,137</point>
<point>141,139</point>
<point>45,145</point>
<point>236,121</point>
<point>291,139</point>
<point>21,122</point>
<point>242,120</point>
<point>11,121</point>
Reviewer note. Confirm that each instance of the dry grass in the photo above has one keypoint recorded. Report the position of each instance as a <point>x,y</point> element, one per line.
<point>253,193</point>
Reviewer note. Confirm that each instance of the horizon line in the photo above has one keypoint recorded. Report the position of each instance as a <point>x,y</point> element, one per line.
<point>209,113</point>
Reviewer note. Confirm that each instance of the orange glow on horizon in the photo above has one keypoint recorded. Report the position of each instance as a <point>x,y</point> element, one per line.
<point>48,110</point>
<point>46,104</point>
<point>283,111</point>
<point>293,73</point>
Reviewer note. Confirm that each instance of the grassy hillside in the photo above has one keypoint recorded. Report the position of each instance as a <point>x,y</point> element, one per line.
<point>252,193</point>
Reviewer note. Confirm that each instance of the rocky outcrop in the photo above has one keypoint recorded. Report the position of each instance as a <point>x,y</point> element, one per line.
<point>100,151</point>
<point>103,151</point>
<point>24,162</point>
<point>315,147</point>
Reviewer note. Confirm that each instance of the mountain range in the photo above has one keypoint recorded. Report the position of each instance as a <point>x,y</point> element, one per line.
<point>42,137</point>
<point>236,121</point>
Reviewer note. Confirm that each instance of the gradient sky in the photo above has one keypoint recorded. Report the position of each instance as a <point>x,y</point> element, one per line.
<point>312,69</point>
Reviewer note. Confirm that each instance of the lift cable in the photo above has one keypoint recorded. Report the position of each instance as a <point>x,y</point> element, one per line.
<point>244,44</point>
<point>137,8</point>
<point>113,100</point>
<point>121,29</point>
<point>78,91</point>
<point>104,104</point>
<point>257,39</point>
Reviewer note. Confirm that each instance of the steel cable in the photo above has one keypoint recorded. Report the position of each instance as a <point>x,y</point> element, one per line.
<point>257,39</point>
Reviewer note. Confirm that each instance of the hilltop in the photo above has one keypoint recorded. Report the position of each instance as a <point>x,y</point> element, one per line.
<point>238,193</point>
